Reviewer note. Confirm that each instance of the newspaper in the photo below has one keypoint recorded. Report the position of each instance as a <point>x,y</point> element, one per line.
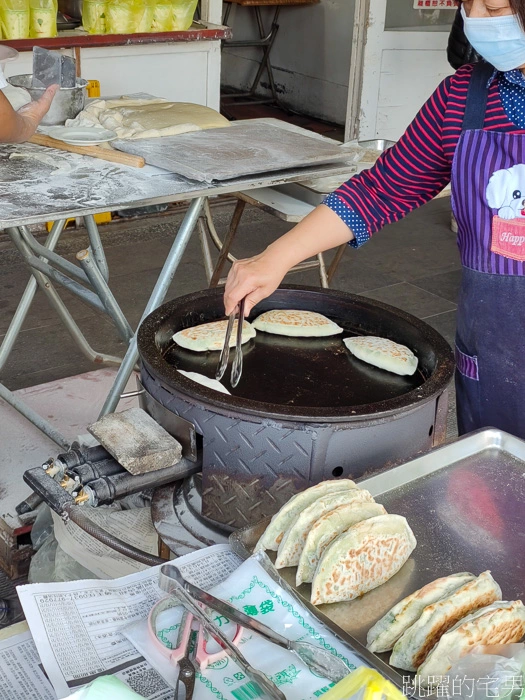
<point>252,590</point>
<point>76,625</point>
<point>22,676</point>
<point>134,527</point>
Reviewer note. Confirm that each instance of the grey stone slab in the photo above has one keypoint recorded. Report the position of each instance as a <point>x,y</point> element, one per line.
<point>136,257</point>
<point>358,277</point>
<point>445,324</point>
<point>12,285</point>
<point>47,68</point>
<point>132,291</point>
<point>51,347</point>
<point>445,285</point>
<point>26,379</point>
<point>137,441</point>
<point>412,299</point>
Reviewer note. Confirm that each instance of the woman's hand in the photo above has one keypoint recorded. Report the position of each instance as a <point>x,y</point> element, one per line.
<point>254,279</point>
<point>30,115</point>
<point>258,277</point>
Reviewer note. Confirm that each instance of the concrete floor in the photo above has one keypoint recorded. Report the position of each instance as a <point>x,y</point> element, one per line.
<point>413,264</point>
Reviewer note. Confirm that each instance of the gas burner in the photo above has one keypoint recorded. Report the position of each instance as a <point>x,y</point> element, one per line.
<point>177,516</point>
<point>305,411</point>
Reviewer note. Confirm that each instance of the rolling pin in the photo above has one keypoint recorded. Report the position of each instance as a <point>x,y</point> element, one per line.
<point>93,151</point>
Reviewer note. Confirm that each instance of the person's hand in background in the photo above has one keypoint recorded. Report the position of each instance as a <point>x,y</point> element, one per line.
<point>17,127</point>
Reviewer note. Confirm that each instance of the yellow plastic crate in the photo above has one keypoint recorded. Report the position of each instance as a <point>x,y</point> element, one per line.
<point>93,88</point>
<point>104,218</point>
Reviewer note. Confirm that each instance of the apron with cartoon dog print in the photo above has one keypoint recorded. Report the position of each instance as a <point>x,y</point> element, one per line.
<point>488,200</point>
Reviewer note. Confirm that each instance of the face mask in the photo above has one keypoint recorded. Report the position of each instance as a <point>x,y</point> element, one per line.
<point>500,40</point>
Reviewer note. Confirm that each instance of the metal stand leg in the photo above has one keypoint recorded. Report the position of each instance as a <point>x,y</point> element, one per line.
<point>47,255</point>
<point>205,248</point>
<point>322,271</point>
<point>157,297</point>
<point>22,240</point>
<point>96,246</point>
<point>33,417</point>
<point>95,273</point>
<point>225,249</point>
<point>89,275</point>
<point>26,301</point>
<point>99,284</point>
<point>59,306</point>
<point>227,13</point>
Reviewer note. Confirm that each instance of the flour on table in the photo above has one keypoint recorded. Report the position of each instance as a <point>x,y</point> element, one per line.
<point>60,165</point>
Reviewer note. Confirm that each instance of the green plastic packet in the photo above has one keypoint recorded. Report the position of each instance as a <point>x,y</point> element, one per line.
<point>94,16</point>
<point>104,688</point>
<point>124,16</point>
<point>42,18</point>
<point>14,19</point>
<point>183,11</point>
<point>145,23</point>
<point>162,16</point>
<point>364,684</point>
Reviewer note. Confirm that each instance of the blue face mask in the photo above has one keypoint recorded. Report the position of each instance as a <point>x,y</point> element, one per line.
<point>500,40</point>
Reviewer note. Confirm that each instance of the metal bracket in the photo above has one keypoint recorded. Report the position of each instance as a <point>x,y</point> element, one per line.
<point>179,428</point>
<point>48,489</point>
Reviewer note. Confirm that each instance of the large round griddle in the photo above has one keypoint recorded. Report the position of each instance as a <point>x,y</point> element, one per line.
<point>300,378</point>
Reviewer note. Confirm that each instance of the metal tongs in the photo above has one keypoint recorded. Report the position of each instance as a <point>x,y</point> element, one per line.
<point>169,581</point>
<point>235,377</point>
<point>319,660</point>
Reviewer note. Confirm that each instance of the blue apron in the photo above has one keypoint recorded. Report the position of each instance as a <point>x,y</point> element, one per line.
<point>488,200</point>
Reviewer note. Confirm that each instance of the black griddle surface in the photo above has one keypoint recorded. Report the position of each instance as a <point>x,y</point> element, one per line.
<point>303,379</point>
<point>302,372</point>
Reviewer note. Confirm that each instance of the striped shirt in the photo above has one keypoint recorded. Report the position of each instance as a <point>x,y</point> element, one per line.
<point>419,166</point>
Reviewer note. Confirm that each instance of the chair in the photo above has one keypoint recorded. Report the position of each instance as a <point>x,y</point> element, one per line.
<point>277,203</point>
<point>265,42</point>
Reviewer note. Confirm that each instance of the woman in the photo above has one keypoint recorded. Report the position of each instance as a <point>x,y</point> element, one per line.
<point>16,127</point>
<point>471,132</point>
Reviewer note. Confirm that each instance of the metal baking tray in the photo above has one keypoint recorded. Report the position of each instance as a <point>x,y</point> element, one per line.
<point>245,148</point>
<point>465,503</point>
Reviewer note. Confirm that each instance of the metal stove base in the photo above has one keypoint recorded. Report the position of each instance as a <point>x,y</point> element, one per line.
<point>176,511</point>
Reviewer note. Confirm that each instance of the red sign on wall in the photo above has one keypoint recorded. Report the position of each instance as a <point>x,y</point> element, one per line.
<point>435,5</point>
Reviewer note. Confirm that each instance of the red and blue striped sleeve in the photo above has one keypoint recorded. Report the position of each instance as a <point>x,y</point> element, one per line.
<point>405,177</point>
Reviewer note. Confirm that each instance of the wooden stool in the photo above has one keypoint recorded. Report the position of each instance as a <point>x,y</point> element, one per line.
<point>281,205</point>
<point>265,42</point>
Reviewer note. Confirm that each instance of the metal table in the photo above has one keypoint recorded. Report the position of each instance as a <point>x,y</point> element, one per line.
<point>67,186</point>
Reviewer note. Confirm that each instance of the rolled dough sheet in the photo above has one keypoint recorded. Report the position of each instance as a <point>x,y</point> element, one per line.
<point>139,118</point>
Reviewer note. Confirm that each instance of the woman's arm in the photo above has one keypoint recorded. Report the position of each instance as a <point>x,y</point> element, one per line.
<point>256,278</point>
<point>16,127</point>
<point>405,177</point>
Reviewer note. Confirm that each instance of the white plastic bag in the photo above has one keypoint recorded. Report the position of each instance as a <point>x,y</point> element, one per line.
<point>487,672</point>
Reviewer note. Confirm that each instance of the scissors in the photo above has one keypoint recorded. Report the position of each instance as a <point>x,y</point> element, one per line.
<point>190,650</point>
